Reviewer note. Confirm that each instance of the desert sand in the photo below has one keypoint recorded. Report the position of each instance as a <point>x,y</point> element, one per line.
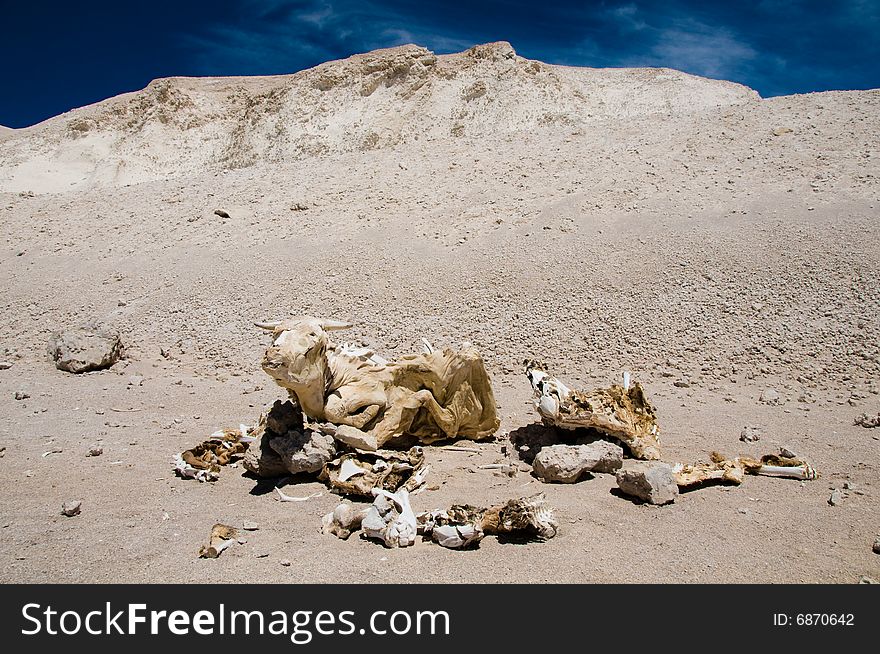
<point>714,243</point>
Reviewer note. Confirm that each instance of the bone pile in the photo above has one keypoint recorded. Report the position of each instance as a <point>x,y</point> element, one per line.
<point>390,519</point>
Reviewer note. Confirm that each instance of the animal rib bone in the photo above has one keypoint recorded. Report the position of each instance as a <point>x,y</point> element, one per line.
<point>619,412</point>
<point>290,498</point>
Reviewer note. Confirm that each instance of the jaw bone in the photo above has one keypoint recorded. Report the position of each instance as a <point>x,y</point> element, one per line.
<point>622,412</point>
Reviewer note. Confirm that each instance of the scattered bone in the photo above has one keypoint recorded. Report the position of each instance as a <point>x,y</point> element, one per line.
<point>358,473</point>
<point>773,465</point>
<point>373,404</point>
<point>285,563</point>
<point>568,463</point>
<point>343,520</point>
<point>624,414</point>
<point>391,519</point>
<point>113,408</point>
<point>56,450</point>
<point>719,470</point>
<point>751,434</point>
<point>250,525</point>
<point>457,448</point>
<point>71,509</point>
<point>222,537</point>
<point>208,456</point>
<point>461,526</point>
<point>651,481</point>
<point>290,498</point>
<point>21,395</point>
<point>187,471</point>
<point>5,365</point>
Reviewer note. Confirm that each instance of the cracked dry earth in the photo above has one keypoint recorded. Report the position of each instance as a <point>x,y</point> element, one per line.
<point>690,240</point>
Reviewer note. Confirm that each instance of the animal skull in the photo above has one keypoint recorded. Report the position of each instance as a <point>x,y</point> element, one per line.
<point>622,412</point>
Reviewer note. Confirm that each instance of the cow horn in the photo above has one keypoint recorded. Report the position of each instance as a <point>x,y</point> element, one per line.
<point>268,325</point>
<point>333,325</point>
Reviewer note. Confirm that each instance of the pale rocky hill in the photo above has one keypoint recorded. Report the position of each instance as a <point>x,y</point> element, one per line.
<point>183,126</point>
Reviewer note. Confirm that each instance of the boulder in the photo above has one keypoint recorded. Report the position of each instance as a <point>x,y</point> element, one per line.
<point>650,481</point>
<point>261,459</point>
<point>80,351</point>
<point>304,451</point>
<point>568,463</point>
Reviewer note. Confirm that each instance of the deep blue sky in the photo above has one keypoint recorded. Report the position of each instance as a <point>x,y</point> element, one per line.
<point>56,56</point>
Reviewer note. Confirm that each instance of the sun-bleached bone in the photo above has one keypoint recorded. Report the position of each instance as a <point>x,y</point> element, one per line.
<point>622,413</point>
<point>343,520</point>
<point>462,525</point>
<point>391,519</point>
<point>221,538</point>
<point>733,470</point>
<point>358,473</point>
<point>431,396</point>
<point>779,465</point>
<point>203,462</point>
<point>689,475</point>
<point>289,498</point>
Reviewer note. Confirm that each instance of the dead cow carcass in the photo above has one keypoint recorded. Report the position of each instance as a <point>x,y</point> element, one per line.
<point>431,396</point>
<point>622,412</point>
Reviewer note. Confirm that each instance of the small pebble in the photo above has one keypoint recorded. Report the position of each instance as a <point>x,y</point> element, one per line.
<point>95,450</point>
<point>285,562</point>
<point>250,525</point>
<point>71,509</point>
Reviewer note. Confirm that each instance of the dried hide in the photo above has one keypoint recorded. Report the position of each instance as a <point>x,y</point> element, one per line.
<point>358,473</point>
<point>431,396</point>
<point>622,412</point>
<point>203,461</point>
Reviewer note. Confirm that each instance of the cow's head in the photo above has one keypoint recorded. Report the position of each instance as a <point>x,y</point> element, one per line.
<point>297,357</point>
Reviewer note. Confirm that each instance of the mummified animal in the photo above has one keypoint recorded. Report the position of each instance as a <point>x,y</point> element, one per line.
<point>431,396</point>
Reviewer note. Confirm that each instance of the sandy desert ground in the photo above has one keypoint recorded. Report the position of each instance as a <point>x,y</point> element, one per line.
<point>714,243</point>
